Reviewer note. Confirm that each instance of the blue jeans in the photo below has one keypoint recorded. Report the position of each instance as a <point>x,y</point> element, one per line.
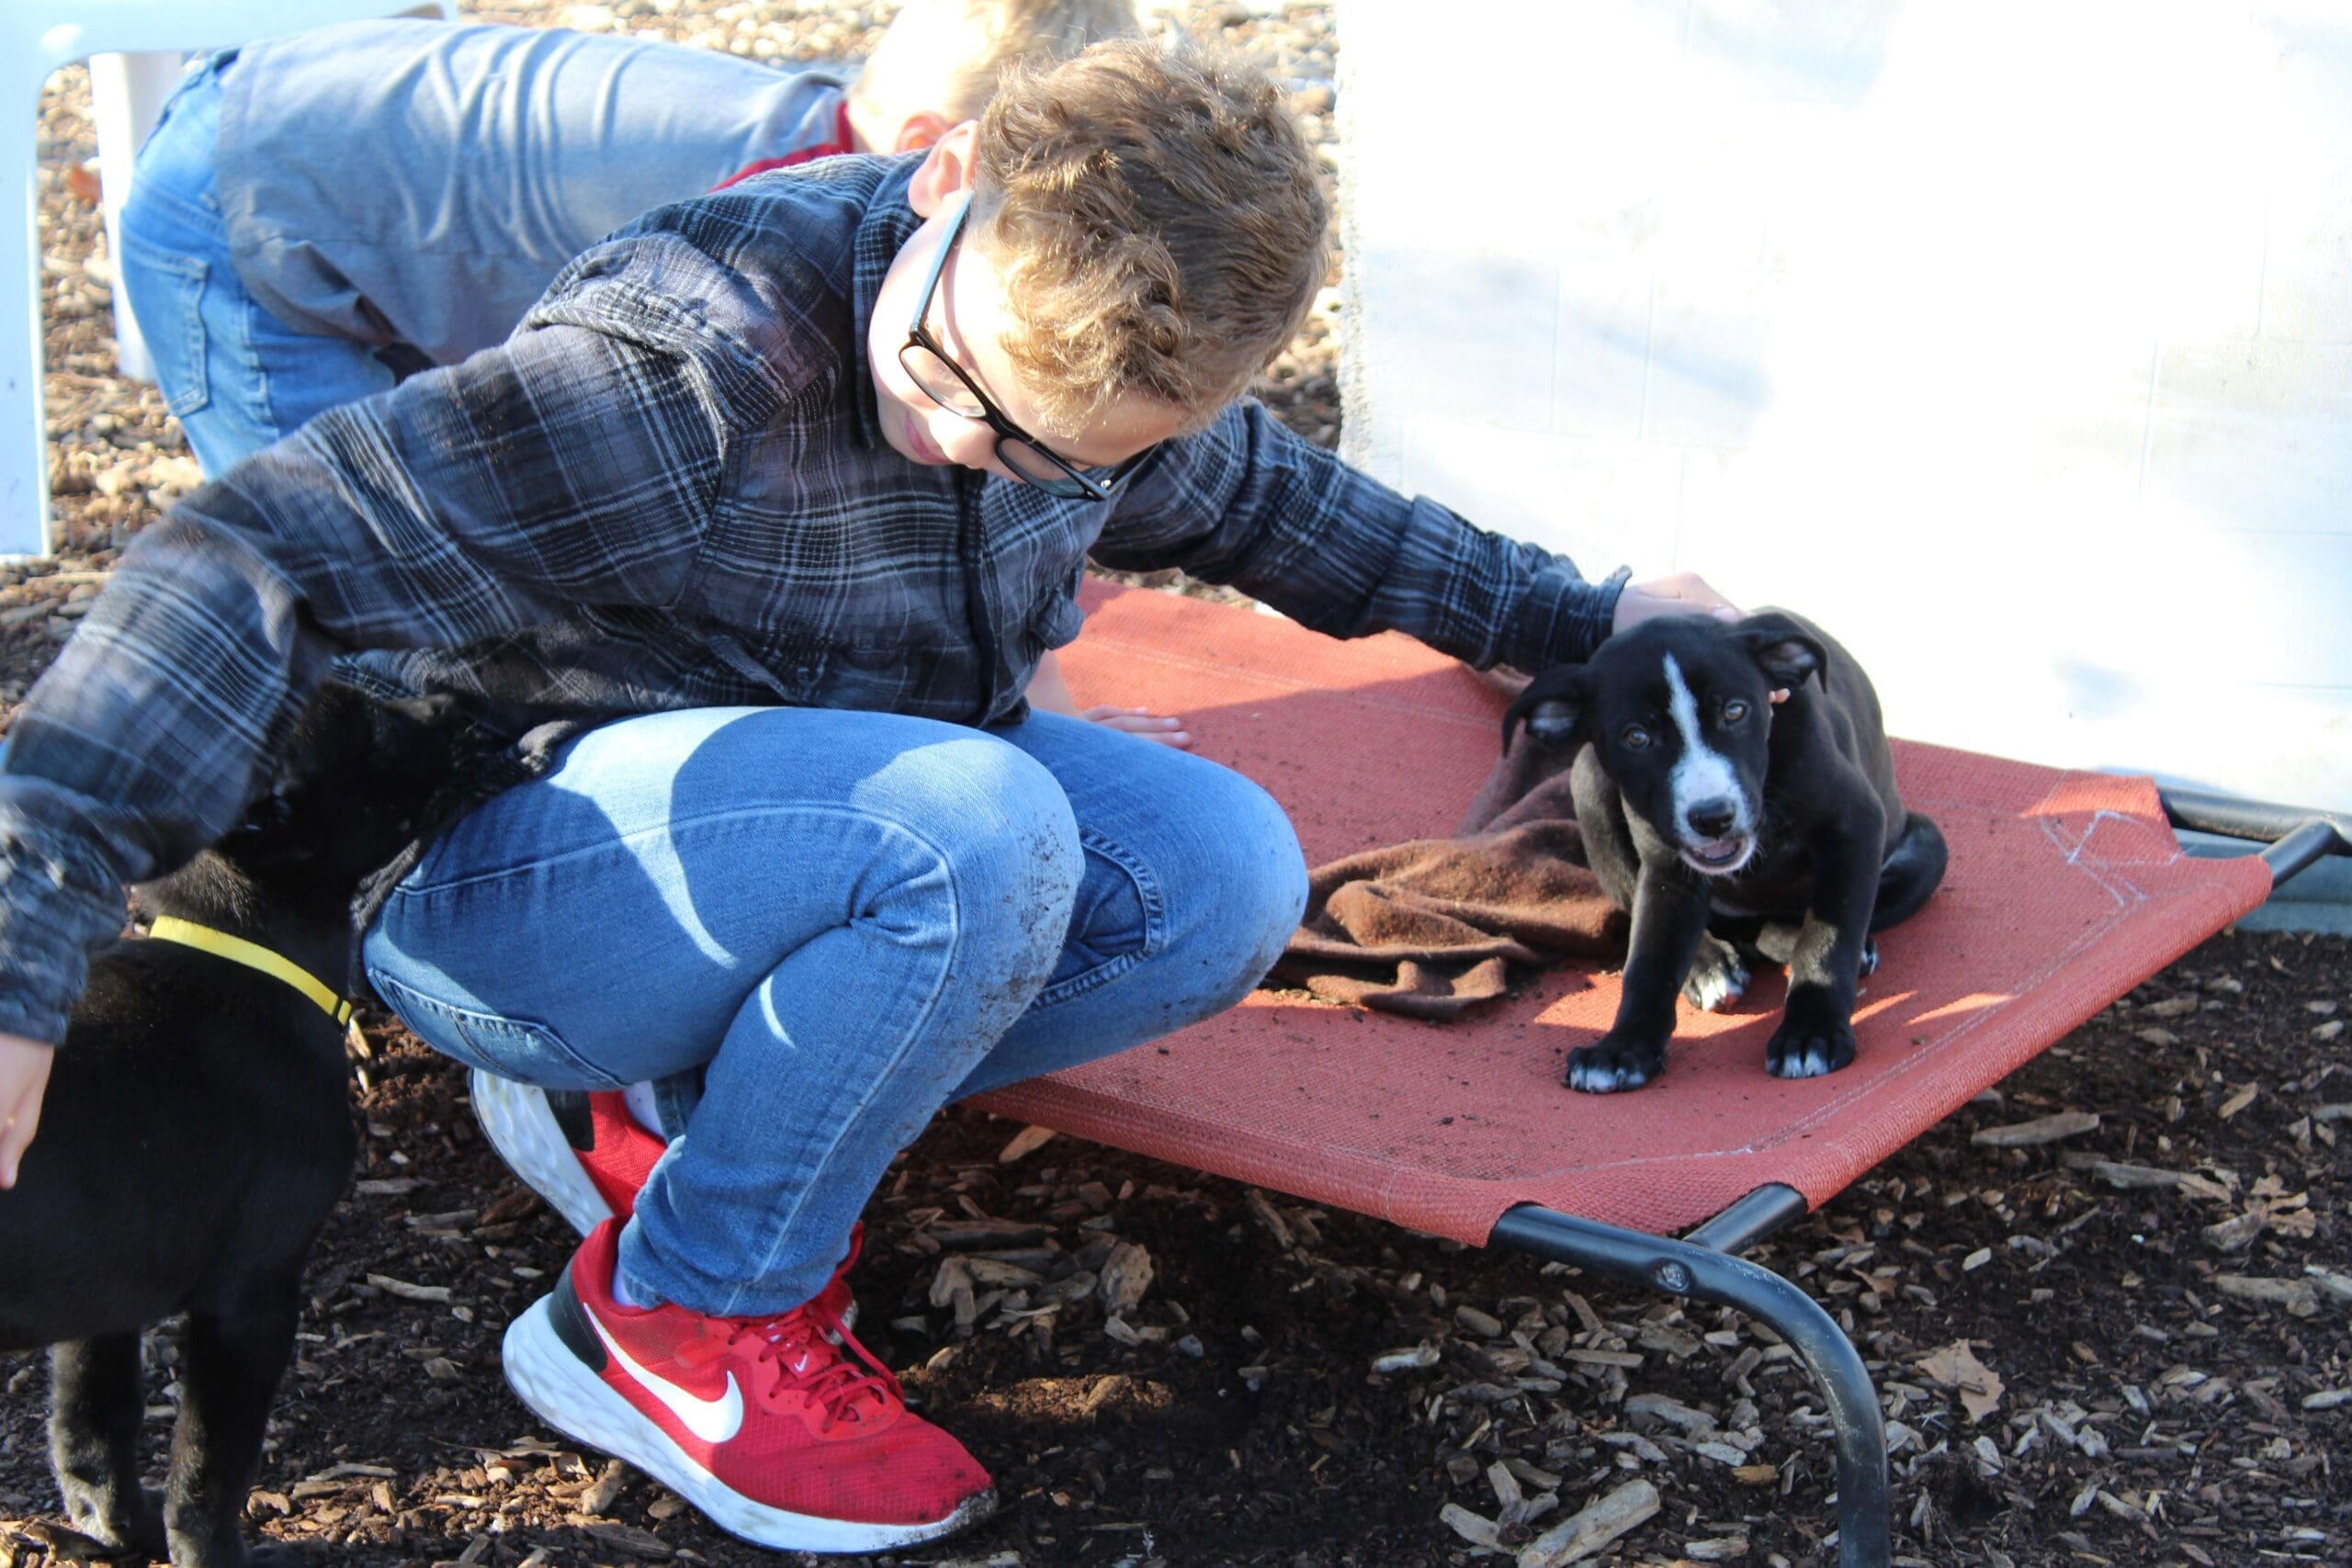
<point>238,378</point>
<point>845,920</point>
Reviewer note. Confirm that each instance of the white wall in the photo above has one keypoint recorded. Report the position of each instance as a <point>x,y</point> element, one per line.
<point>2010,341</point>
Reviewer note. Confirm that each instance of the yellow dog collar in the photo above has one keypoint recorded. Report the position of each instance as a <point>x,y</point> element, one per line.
<point>253,956</point>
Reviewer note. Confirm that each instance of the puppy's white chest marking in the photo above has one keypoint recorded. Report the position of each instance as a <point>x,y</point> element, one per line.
<point>1701,774</point>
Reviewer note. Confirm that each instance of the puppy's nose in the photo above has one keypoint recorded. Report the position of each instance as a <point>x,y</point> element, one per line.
<point>1713,817</point>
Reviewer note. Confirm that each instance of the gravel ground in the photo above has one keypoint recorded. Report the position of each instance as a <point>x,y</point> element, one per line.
<point>2126,1343</point>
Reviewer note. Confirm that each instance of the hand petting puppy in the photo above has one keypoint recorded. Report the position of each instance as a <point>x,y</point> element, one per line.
<point>1682,593</point>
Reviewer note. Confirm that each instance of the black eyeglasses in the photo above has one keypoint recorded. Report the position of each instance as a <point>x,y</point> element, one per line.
<point>944,382</point>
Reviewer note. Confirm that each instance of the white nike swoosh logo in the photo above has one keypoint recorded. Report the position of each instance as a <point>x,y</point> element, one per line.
<point>712,1420</point>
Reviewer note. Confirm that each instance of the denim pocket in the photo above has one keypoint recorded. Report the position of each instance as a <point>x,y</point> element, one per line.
<point>167,291</point>
<point>528,1053</point>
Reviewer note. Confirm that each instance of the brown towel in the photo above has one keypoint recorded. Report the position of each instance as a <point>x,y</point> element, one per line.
<point>1430,929</point>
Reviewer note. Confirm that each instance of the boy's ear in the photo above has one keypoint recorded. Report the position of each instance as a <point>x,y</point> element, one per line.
<point>921,130</point>
<point>947,171</point>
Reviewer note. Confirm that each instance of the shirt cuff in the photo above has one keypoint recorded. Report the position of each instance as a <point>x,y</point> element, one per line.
<point>57,901</point>
<point>1577,621</point>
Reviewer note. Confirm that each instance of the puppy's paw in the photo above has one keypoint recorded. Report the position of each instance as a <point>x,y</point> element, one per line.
<point>278,1555</point>
<point>1870,958</point>
<point>1612,1063</point>
<point>114,1524</point>
<point>1718,978</point>
<point>101,1545</point>
<point>1809,1051</point>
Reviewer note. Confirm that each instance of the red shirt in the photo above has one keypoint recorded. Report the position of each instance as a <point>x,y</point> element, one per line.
<point>843,142</point>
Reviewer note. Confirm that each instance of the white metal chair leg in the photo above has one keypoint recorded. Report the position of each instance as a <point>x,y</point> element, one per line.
<point>24,438</point>
<point>126,94</point>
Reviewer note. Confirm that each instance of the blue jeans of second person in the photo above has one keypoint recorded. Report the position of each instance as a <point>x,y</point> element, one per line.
<point>845,920</point>
<point>238,378</point>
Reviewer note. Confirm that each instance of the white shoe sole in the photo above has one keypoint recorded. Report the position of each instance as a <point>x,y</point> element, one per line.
<point>522,1130</point>
<point>575,1401</point>
<point>516,1120</point>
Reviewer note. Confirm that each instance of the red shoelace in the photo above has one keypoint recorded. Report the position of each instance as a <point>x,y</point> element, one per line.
<point>806,1348</point>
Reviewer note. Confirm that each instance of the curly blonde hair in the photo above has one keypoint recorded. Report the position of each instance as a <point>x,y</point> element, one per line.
<point>1158,224</point>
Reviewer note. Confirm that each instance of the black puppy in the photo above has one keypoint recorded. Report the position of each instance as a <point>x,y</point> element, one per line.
<point>195,1134</point>
<point>1737,798</point>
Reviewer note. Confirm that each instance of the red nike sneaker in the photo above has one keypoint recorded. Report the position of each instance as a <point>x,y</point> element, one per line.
<point>782,1430</point>
<point>587,1158</point>
<point>581,1152</point>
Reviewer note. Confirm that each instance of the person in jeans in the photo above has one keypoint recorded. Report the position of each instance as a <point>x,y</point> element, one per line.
<point>338,207</point>
<point>784,491</point>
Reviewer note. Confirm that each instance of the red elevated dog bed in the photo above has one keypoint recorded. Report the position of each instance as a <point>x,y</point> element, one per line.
<point>2066,889</point>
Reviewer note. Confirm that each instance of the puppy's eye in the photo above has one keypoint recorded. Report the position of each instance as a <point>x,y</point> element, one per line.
<point>1635,738</point>
<point>1733,712</point>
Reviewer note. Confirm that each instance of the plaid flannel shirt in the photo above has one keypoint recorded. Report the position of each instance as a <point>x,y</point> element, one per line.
<point>667,489</point>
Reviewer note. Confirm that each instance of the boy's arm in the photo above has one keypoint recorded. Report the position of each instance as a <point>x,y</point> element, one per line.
<point>1246,503</point>
<point>576,464</point>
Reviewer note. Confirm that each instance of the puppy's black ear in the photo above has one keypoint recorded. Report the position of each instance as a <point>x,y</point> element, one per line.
<point>1783,650</point>
<point>269,813</point>
<point>264,835</point>
<point>1552,707</point>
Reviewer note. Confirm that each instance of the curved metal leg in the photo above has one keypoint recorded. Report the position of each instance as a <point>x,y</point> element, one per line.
<point>1682,1269</point>
<point>2297,837</point>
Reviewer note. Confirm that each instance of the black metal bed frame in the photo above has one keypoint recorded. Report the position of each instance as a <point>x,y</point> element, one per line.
<point>1705,1265</point>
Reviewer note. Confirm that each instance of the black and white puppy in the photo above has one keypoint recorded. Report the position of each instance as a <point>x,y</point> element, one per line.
<point>1737,798</point>
<point>196,1133</point>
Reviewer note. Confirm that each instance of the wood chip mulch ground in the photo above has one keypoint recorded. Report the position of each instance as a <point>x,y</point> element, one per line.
<point>2107,1305</point>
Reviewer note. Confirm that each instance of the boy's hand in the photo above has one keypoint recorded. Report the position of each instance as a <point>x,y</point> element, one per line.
<point>1684,593</point>
<point>24,1074</point>
<point>1141,721</point>
<point>1048,691</point>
